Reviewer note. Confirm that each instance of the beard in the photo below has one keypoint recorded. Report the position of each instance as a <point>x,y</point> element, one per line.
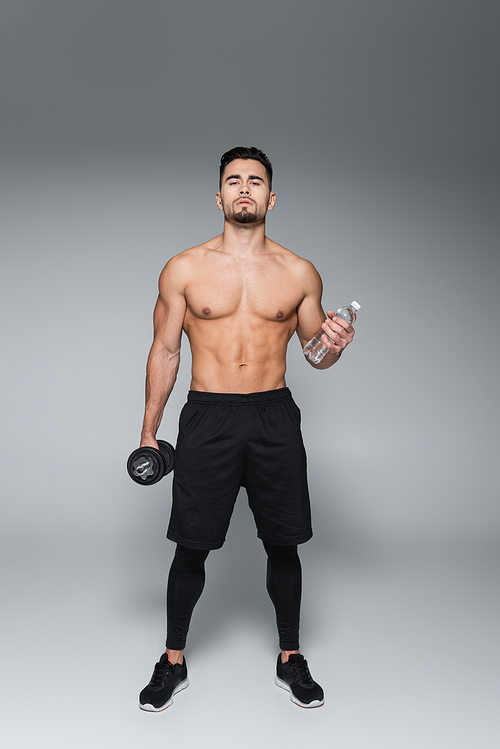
<point>243,216</point>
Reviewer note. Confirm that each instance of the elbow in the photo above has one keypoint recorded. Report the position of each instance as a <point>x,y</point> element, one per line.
<point>167,354</point>
<point>172,353</point>
<point>173,357</point>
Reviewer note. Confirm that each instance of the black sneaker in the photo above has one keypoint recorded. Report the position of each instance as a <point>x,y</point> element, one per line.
<point>166,681</point>
<point>294,676</point>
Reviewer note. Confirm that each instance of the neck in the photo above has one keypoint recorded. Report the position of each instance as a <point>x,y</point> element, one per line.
<point>243,239</point>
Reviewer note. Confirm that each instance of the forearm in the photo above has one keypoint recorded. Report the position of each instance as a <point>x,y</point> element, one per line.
<point>327,361</point>
<point>161,373</point>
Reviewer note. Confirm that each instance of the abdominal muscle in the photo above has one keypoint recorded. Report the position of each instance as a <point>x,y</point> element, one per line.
<point>250,363</point>
<point>242,378</point>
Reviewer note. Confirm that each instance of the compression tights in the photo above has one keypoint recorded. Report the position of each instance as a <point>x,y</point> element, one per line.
<point>187,579</point>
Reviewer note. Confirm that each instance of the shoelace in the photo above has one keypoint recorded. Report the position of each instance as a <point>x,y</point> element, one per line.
<point>303,674</point>
<point>160,672</point>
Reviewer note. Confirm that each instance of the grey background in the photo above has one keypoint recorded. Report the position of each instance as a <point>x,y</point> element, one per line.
<point>381,119</point>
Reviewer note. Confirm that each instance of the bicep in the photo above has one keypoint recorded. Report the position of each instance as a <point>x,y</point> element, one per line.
<point>169,312</point>
<point>310,315</point>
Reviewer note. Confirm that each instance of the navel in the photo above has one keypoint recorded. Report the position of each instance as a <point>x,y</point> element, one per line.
<point>279,314</point>
<point>206,310</point>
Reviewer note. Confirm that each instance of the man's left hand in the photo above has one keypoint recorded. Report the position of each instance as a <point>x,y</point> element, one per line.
<point>338,333</point>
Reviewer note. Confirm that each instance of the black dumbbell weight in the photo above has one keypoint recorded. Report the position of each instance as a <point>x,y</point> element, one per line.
<point>147,465</point>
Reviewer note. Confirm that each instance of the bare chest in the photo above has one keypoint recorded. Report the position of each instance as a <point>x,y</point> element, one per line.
<point>264,290</point>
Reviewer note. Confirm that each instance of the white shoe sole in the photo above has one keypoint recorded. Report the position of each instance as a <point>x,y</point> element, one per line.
<point>152,709</point>
<point>280,683</point>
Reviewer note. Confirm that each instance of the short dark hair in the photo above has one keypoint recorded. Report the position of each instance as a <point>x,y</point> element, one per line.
<point>242,152</point>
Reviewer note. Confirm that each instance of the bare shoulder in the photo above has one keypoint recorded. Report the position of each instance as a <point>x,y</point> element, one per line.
<point>302,269</point>
<point>180,268</point>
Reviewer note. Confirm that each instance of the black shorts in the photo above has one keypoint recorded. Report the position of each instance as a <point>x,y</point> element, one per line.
<point>229,440</point>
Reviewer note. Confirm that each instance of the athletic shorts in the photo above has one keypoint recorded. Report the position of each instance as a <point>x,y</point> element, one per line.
<point>229,440</point>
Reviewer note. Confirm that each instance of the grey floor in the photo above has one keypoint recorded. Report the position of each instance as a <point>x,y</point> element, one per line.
<point>404,641</point>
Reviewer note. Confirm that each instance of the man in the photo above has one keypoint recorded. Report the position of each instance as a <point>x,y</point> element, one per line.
<point>239,298</point>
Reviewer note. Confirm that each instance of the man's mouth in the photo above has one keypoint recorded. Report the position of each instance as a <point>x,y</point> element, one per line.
<point>244,201</point>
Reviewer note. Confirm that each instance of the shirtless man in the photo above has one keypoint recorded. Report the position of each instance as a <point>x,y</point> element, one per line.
<point>239,298</point>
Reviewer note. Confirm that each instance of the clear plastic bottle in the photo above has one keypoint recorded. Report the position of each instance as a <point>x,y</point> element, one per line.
<point>315,349</point>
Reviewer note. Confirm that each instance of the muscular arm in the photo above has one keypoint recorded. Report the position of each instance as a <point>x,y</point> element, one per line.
<point>164,357</point>
<point>311,319</point>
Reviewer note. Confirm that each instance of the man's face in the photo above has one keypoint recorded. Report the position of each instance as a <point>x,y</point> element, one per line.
<point>244,195</point>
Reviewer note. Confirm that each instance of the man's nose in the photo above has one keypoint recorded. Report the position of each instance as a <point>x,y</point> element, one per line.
<point>244,190</point>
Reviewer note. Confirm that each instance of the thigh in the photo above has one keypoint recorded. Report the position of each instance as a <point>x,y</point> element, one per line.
<point>276,475</point>
<point>207,473</point>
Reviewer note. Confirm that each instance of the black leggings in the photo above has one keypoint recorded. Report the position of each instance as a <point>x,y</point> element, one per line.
<point>187,579</point>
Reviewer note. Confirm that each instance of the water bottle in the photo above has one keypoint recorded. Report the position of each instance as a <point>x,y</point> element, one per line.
<point>315,349</point>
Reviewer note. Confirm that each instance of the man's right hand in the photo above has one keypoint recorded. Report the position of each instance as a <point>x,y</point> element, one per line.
<point>149,442</point>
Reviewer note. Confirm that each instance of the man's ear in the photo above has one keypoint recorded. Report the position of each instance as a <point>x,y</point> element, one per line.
<point>272,201</point>
<point>218,201</point>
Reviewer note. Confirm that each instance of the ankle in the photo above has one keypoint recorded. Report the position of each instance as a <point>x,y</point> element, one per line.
<point>175,656</point>
<point>286,653</point>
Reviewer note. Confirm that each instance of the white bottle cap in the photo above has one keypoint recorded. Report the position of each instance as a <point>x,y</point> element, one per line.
<point>355,305</point>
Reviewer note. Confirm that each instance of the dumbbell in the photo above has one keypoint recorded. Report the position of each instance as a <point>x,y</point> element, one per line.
<point>147,465</point>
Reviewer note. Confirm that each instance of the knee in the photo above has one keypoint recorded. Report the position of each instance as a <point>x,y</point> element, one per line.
<point>189,560</point>
<point>282,556</point>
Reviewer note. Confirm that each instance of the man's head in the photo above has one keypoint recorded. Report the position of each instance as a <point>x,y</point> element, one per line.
<point>242,152</point>
<point>245,186</point>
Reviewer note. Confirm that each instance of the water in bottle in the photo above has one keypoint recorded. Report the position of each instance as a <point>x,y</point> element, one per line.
<point>315,349</point>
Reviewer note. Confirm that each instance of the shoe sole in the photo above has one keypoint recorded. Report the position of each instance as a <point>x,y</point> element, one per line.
<point>280,683</point>
<point>152,709</point>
